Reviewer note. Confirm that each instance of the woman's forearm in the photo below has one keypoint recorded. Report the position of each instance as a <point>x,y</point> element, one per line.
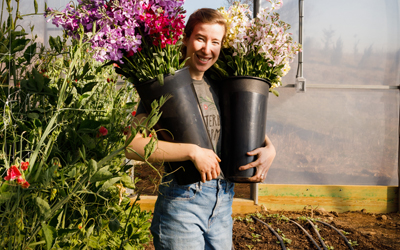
<point>165,151</point>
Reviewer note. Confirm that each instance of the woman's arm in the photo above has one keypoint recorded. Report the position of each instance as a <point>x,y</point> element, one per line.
<point>205,160</point>
<point>264,160</point>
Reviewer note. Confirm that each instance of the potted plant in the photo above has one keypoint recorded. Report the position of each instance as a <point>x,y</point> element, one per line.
<point>255,56</point>
<point>142,39</point>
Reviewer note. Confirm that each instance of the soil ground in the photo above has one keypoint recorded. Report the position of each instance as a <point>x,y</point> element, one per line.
<point>363,230</point>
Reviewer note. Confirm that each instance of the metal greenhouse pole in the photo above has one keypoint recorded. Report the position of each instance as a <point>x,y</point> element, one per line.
<point>254,186</point>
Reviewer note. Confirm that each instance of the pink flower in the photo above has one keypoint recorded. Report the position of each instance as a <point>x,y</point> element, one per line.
<point>20,180</point>
<point>103,131</point>
<point>24,165</point>
<point>12,173</point>
<point>25,184</point>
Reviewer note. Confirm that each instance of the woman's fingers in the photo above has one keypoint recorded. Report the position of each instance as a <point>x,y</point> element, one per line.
<point>207,163</point>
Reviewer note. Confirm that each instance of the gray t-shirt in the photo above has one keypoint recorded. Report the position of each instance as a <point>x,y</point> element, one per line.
<point>208,102</point>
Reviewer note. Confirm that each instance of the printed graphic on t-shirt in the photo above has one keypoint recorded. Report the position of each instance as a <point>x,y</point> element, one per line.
<point>213,126</point>
<point>207,103</point>
<point>211,119</point>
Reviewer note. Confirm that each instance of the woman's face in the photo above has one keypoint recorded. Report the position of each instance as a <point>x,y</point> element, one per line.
<point>203,47</point>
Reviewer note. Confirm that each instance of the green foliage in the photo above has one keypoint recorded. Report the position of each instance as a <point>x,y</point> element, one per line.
<point>286,241</point>
<point>55,104</point>
<point>150,63</point>
<point>255,237</point>
<point>353,243</point>
<point>250,246</point>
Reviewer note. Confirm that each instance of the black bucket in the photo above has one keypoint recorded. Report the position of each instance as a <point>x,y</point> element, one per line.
<point>243,101</point>
<point>181,117</point>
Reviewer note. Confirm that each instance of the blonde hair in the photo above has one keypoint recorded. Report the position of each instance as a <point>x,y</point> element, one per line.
<point>204,15</point>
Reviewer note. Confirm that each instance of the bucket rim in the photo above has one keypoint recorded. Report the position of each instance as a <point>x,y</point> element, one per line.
<point>248,77</point>
<point>155,79</point>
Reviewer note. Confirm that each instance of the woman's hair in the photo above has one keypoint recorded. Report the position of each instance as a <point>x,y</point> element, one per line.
<point>204,15</point>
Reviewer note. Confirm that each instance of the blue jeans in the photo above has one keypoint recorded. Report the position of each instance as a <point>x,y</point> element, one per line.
<point>195,216</point>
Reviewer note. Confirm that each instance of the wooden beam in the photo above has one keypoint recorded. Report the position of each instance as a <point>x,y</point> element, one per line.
<point>375,199</point>
<point>239,205</point>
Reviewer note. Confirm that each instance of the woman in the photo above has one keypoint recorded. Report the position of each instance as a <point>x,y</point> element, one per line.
<point>198,216</point>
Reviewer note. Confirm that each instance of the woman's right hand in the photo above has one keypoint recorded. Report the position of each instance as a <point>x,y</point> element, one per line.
<point>206,162</point>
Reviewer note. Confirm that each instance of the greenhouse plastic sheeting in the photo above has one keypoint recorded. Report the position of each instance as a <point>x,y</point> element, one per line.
<point>334,137</point>
<point>347,41</point>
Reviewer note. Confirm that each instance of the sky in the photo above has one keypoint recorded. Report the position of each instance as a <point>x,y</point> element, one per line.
<point>192,5</point>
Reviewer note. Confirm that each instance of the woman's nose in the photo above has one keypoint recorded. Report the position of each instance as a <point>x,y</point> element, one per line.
<point>207,48</point>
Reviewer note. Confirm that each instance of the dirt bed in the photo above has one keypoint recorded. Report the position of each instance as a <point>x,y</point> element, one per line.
<point>362,229</point>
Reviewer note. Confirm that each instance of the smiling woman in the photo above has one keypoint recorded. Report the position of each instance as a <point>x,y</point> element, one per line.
<point>197,215</point>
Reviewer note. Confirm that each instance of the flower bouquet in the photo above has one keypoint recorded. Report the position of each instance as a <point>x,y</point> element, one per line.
<point>142,39</point>
<point>255,56</point>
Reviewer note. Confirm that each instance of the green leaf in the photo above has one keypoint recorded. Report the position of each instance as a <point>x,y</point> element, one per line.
<point>150,148</point>
<point>30,52</point>
<point>160,78</point>
<point>39,79</point>
<point>101,175</point>
<point>153,121</point>
<point>171,70</point>
<point>114,225</point>
<point>36,6</point>
<point>6,196</point>
<point>89,231</point>
<point>85,69</point>
<point>88,87</point>
<point>127,181</point>
<point>18,45</point>
<point>88,125</point>
<point>43,206</point>
<point>65,232</point>
<point>88,141</point>
<point>109,183</point>
<point>128,246</point>
<point>33,115</point>
<point>90,77</point>
<point>55,44</point>
<point>92,167</point>
<point>50,235</point>
<point>275,92</point>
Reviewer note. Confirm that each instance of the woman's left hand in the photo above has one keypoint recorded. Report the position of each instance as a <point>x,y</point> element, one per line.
<point>265,157</point>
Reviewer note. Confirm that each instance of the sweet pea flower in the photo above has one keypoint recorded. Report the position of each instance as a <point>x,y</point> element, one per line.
<point>24,165</point>
<point>20,180</point>
<point>25,184</point>
<point>103,131</point>
<point>12,173</point>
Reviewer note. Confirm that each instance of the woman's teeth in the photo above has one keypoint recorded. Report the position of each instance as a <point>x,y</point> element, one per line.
<point>203,59</point>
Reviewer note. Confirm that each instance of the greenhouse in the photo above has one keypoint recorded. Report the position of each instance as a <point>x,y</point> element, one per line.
<point>70,106</point>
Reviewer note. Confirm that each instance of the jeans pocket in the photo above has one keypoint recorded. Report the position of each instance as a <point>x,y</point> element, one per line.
<point>179,192</point>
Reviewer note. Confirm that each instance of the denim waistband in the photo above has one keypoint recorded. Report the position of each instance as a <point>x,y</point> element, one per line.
<point>221,183</point>
<point>215,183</point>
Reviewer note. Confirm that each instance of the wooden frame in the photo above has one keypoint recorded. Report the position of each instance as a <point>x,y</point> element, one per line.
<point>374,199</point>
